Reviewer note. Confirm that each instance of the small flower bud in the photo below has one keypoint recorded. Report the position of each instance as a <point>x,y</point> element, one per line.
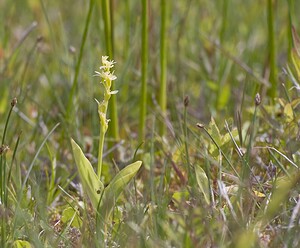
<point>257,99</point>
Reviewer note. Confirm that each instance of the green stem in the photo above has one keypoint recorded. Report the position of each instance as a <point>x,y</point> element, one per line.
<point>103,129</point>
<point>163,64</point>
<point>100,154</point>
<point>3,164</point>
<point>107,27</point>
<point>108,30</point>
<point>290,21</point>
<point>290,35</point>
<point>185,133</point>
<point>272,50</point>
<point>246,169</point>
<point>77,69</point>
<point>7,120</point>
<point>143,101</point>
<point>224,20</point>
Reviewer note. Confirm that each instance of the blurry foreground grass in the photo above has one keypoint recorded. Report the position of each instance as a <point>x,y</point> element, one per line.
<point>226,171</point>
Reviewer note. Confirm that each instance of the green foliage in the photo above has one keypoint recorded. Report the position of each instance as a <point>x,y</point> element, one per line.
<point>116,186</point>
<point>231,181</point>
<point>72,217</point>
<point>93,186</point>
<point>203,183</point>
<point>21,244</point>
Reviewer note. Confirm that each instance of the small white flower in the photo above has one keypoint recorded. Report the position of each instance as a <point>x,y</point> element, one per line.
<point>106,63</point>
<point>114,92</point>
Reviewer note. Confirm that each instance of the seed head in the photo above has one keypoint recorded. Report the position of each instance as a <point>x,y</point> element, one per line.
<point>200,125</point>
<point>257,99</point>
<point>14,102</point>
<point>186,101</point>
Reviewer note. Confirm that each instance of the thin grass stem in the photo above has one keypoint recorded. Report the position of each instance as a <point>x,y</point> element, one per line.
<point>108,32</point>
<point>13,103</point>
<point>10,170</point>
<point>219,148</point>
<point>78,64</point>
<point>163,65</point>
<point>143,100</point>
<point>185,133</point>
<point>3,163</point>
<point>290,26</point>
<point>272,92</point>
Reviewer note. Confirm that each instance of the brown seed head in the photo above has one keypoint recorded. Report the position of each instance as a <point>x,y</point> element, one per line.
<point>186,101</point>
<point>14,102</point>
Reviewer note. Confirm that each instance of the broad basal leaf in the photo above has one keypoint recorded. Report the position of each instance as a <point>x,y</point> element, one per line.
<point>91,184</point>
<point>71,215</point>
<point>115,188</point>
<point>203,183</point>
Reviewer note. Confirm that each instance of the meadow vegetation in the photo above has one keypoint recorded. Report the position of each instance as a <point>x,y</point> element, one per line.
<point>193,140</point>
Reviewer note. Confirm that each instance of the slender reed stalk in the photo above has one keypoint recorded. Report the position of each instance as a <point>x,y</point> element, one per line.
<point>272,92</point>
<point>10,169</point>
<point>251,138</point>
<point>224,20</point>
<point>290,35</point>
<point>109,41</point>
<point>13,103</point>
<point>143,100</point>
<point>163,64</point>
<point>185,133</point>
<point>78,64</point>
<point>290,21</point>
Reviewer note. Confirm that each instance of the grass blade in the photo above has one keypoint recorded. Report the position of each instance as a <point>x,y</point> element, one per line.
<point>163,64</point>
<point>143,101</point>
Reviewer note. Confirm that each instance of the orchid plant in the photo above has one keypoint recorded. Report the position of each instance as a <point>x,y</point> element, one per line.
<point>103,199</point>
